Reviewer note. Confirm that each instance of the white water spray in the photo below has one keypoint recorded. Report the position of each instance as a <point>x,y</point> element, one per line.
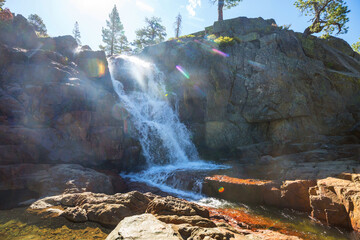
<point>165,141</point>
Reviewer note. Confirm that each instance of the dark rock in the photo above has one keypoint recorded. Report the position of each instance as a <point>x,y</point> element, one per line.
<point>66,45</point>
<point>19,33</point>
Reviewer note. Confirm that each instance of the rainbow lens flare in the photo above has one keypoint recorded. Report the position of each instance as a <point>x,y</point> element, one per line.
<point>220,52</point>
<point>221,189</point>
<point>178,67</point>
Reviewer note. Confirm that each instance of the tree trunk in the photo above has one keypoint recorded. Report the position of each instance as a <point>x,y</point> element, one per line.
<point>307,32</point>
<point>220,10</point>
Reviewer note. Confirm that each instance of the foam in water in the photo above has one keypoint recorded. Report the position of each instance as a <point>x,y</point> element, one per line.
<point>165,141</point>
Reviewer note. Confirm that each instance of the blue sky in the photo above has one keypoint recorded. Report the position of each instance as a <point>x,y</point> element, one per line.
<point>60,15</point>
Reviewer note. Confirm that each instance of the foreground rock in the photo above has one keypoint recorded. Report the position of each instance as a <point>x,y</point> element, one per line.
<point>145,216</point>
<point>336,201</point>
<point>144,226</point>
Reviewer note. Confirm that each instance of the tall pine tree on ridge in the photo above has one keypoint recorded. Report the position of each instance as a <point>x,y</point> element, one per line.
<point>113,35</point>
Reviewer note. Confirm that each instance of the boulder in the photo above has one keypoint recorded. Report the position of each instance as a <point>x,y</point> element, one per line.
<point>143,227</point>
<point>175,206</point>
<point>107,210</point>
<point>66,45</point>
<point>335,201</point>
<point>19,33</point>
<point>288,194</point>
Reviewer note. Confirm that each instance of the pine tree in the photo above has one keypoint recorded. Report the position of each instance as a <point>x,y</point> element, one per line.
<point>2,2</point>
<point>327,15</point>
<point>151,34</point>
<point>113,35</point>
<point>178,25</point>
<point>356,46</point>
<point>225,3</point>
<point>38,24</point>
<point>76,33</point>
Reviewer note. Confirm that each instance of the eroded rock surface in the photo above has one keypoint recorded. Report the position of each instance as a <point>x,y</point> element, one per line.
<point>336,201</point>
<point>287,194</point>
<point>146,216</point>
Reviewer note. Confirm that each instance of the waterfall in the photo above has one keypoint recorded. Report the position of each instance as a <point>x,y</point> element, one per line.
<point>166,142</point>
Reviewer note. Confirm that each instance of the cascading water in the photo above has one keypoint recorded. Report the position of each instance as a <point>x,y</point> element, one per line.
<point>165,141</point>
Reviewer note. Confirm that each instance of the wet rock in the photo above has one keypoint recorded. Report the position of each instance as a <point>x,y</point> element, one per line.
<point>287,194</point>
<point>239,190</point>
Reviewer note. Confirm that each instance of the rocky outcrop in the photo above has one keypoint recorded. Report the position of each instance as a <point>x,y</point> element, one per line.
<point>268,86</point>
<point>336,201</point>
<point>147,216</point>
<point>57,104</point>
<point>287,194</point>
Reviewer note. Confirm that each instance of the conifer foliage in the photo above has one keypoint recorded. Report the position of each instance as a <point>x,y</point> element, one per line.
<point>114,36</point>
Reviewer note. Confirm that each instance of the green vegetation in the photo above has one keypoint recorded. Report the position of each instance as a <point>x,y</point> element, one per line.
<point>76,33</point>
<point>2,2</point>
<point>327,15</point>
<point>285,27</point>
<point>225,3</point>
<point>178,25</point>
<point>151,34</point>
<point>223,42</point>
<point>38,24</point>
<point>356,46</point>
<point>114,36</point>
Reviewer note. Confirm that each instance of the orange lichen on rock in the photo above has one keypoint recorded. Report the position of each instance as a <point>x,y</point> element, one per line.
<point>240,219</point>
<point>223,178</point>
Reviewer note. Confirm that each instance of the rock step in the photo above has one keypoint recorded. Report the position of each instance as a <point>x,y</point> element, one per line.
<point>334,201</point>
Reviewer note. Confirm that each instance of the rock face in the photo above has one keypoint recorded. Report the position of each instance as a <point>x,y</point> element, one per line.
<point>57,104</point>
<point>274,87</point>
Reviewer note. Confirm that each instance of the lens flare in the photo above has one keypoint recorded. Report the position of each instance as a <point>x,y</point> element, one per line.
<point>178,67</point>
<point>96,68</point>
<point>221,189</point>
<point>220,52</point>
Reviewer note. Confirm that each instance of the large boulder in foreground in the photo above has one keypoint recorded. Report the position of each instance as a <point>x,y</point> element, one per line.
<point>144,226</point>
